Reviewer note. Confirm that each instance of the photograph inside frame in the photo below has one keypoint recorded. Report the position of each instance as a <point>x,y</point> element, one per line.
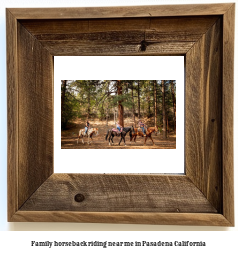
<point>118,114</point>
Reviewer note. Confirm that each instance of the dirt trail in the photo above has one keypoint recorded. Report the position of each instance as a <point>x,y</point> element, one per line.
<point>69,138</point>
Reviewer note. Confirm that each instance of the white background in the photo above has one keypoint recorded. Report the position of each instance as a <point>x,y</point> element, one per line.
<point>218,242</point>
<point>121,68</point>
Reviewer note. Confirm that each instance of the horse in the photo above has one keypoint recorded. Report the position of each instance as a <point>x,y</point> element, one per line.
<point>89,134</point>
<point>114,132</point>
<point>138,132</point>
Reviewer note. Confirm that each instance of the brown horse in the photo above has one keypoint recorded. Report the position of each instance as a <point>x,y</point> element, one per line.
<point>139,132</point>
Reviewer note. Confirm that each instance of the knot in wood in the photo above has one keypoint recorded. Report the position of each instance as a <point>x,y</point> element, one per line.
<point>143,45</point>
<point>79,198</point>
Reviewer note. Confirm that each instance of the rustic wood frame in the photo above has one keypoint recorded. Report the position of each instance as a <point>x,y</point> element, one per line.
<point>203,33</point>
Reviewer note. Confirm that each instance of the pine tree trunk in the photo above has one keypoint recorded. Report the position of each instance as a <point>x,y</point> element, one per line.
<point>148,101</point>
<point>88,113</point>
<point>107,116</point>
<point>155,103</point>
<point>167,125</point>
<point>138,99</point>
<point>63,91</point>
<point>174,105</point>
<point>107,104</point>
<point>114,116</point>
<point>164,111</point>
<point>133,107</point>
<point>120,107</point>
<point>88,109</point>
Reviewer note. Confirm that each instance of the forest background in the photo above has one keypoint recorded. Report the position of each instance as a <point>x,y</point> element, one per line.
<point>106,102</point>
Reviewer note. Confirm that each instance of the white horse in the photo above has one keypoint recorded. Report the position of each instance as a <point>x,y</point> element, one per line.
<point>89,134</point>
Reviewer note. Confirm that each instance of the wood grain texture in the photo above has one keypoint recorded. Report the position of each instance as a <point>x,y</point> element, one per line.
<point>189,26</point>
<point>119,36</point>
<point>121,12</point>
<point>204,115</point>
<point>12,114</point>
<point>117,193</point>
<point>192,219</point>
<point>227,113</point>
<point>71,48</point>
<point>35,133</point>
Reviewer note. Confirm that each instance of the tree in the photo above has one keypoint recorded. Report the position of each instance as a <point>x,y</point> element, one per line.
<point>174,104</point>
<point>63,91</point>
<point>138,82</point>
<point>88,99</point>
<point>68,104</point>
<point>133,104</point>
<point>155,102</point>
<point>107,116</point>
<point>120,106</point>
<point>147,84</point>
<point>164,110</point>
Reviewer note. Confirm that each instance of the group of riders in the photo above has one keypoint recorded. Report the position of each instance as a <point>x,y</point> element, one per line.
<point>120,128</point>
<point>140,125</point>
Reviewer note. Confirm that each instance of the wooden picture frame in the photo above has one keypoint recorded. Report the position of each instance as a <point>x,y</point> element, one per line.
<point>204,34</point>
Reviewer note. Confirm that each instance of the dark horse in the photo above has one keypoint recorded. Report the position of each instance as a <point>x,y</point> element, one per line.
<point>112,133</point>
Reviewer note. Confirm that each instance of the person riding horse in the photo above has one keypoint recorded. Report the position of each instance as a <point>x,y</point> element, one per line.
<point>87,126</point>
<point>142,126</point>
<point>111,133</point>
<point>119,127</point>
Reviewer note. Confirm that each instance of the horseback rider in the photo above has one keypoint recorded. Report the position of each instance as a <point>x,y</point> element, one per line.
<point>87,126</point>
<point>142,126</point>
<point>119,127</point>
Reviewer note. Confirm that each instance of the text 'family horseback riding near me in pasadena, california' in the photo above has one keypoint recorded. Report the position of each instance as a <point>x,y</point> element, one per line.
<point>122,114</point>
